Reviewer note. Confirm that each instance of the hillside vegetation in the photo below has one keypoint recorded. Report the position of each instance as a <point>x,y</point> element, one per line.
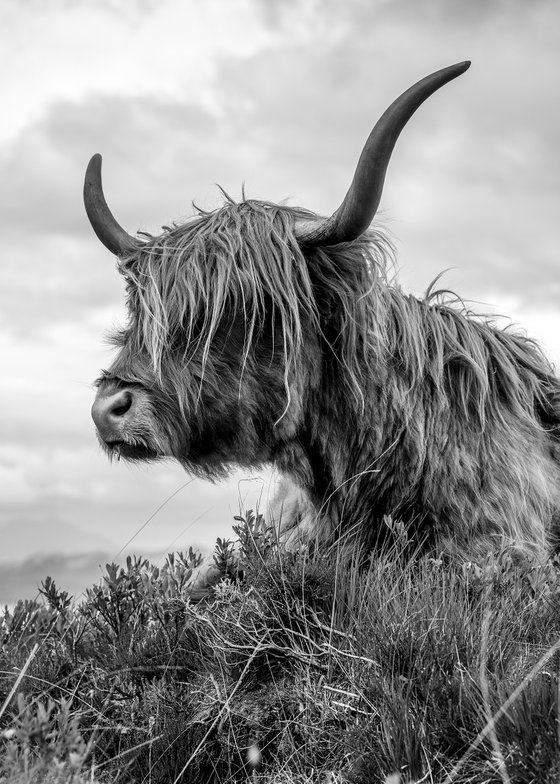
<point>299,669</point>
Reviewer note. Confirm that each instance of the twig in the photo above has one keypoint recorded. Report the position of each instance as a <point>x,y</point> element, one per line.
<point>19,678</point>
<point>502,769</point>
<point>499,713</point>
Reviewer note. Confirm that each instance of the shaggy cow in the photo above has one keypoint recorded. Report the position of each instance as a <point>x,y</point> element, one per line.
<point>261,333</point>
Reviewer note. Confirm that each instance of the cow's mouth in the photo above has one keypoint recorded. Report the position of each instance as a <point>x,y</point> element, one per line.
<point>128,451</point>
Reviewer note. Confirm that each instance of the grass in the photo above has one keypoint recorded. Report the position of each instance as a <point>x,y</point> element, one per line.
<point>307,670</point>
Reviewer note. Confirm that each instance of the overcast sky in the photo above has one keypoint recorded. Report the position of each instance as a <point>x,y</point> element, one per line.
<point>180,95</point>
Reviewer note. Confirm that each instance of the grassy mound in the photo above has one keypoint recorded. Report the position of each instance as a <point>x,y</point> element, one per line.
<point>307,670</point>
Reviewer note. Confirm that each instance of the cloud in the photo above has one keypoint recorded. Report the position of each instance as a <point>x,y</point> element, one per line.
<point>157,156</point>
<point>65,51</point>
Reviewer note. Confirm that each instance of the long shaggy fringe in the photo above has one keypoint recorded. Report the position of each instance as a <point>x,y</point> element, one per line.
<point>244,258</point>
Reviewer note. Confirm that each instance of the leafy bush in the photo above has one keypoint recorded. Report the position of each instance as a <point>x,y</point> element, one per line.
<point>308,669</point>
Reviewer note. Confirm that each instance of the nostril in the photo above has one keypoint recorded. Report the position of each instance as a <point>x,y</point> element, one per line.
<point>111,413</point>
<point>121,404</point>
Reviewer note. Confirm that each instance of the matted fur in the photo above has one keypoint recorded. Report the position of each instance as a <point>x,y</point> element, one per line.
<point>245,348</point>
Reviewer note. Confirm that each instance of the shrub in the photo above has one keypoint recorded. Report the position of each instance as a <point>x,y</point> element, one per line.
<point>306,668</point>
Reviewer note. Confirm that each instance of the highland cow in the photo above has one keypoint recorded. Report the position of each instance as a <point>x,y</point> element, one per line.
<point>263,334</point>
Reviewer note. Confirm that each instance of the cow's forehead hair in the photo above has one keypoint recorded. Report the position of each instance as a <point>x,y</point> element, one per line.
<point>244,259</point>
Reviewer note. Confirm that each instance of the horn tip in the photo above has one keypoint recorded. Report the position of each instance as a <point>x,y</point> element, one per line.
<point>95,160</point>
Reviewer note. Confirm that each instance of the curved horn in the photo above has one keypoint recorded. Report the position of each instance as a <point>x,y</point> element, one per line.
<point>360,203</point>
<point>113,236</point>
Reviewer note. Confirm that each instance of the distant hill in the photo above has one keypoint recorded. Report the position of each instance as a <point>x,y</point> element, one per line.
<point>72,573</point>
<point>31,551</point>
<point>23,538</point>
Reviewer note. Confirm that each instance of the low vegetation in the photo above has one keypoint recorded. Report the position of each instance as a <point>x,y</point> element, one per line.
<point>297,669</point>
